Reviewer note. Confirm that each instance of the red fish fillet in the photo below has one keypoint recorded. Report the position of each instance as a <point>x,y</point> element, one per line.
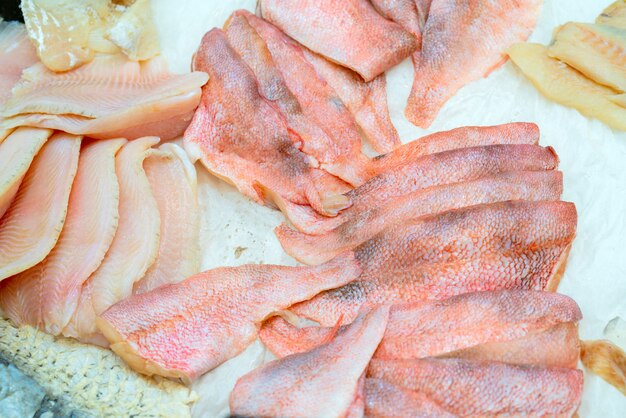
<point>359,227</point>
<point>243,139</point>
<point>507,245</point>
<point>348,32</point>
<point>463,41</point>
<point>466,388</point>
<point>184,330</point>
<point>323,382</point>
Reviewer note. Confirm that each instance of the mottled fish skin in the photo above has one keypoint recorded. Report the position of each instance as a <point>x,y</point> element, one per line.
<point>467,388</point>
<point>242,138</point>
<point>444,65</point>
<point>348,32</point>
<point>16,53</point>
<point>186,329</point>
<point>46,295</point>
<point>505,245</point>
<point>311,107</point>
<point>323,382</point>
<point>361,226</point>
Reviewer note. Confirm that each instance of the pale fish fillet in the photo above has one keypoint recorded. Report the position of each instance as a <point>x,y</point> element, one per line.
<point>471,325</point>
<point>348,32</point>
<point>323,382</point>
<point>561,83</point>
<point>606,360</point>
<point>134,247</point>
<point>16,53</point>
<point>46,295</point>
<point>614,15</point>
<point>467,388</point>
<point>505,245</point>
<point>31,226</point>
<point>360,226</point>
<point>486,28</point>
<point>173,181</point>
<point>597,51</point>
<point>109,96</point>
<point>17,152</point>
<point>430,170</point>
<point>366,101</point>
<point>186,329</point>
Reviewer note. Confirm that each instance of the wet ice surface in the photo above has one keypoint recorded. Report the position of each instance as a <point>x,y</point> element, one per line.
<point>593,158</point>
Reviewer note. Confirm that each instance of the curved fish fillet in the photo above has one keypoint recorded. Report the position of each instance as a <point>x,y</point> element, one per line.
<point>16,53</point>
<point>17,152</point>
<point>359,227</point>
<point>614,15</point>
<point>137,235</point>
<point>323,382</point>
<point>444,64</point>
<point>386,400</point>
<point>46,295</point>
<point>466,388</point>
<point>31,226</point>
<point>348,32</point>
<point>506,245</point>
<point>186,329</point>
<point>173,181</point>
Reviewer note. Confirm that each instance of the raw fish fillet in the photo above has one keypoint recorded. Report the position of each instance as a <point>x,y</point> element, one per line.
<point>466,388</point>
<point>16,53</point>
<point>311,107</point>
<point>111,96</point>
<point>173,181</point>
<point>137,234</point>
<point>512,326</point>
<point>242,138</point>
<point>17,152</point>
<point>506,245</point>
<point>46,295</point>
<point>184,330</point>
<point>614,15</point>
<point>320,383</point>
<point>366,101</point>
<point>597,51</point>
<point>31,226</point>
<point>606,360</point>
<point>348,32</point>
<point>405,13</point>
<point>463,41</point>
<point>561,83</point>
<point>361,226</point>
<point>430,170</point>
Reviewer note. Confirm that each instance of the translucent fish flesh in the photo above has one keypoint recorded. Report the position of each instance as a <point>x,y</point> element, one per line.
<point>16,53</point>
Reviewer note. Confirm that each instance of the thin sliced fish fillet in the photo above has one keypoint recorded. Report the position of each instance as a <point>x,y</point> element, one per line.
<point>16,53</point>
<point>467,388</point>
<point>138,234</point>
<point>323,382</point>
<point>186,329</point>
<point>361,226</point>
<point>242,138</point>
<point>311,107</point>
<point>506,245</point>
<point>348,32</point>
<point>614,15</point>
<point>430,170</point>
<point>110,95</point>
<point>445,64</point>
<point>17,152</point>
<point>46,295</point>
<point>173,181</point>
<point>31,226</point>
<point>367,101</point>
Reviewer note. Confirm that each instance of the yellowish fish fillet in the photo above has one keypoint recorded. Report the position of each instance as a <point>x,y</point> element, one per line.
<point>563,84</point>
<point>31,226</point>
<point>597,51</point>
<point>173,180</point>
<point>46,295</point>
<point>614,15</point>
<point>134,32</point>
<point>606,360</point>
<point>16,155</point>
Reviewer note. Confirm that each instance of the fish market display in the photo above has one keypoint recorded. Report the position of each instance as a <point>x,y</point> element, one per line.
<point>348,32</point>
<point>322,382</point>
<point>31,226</point>
<point>444,65</point>
<point>46,295</point>
<point>184,330</point>
<point>16,53</point>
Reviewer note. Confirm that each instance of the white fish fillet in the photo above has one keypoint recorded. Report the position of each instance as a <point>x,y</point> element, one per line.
<point>16,53</point>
